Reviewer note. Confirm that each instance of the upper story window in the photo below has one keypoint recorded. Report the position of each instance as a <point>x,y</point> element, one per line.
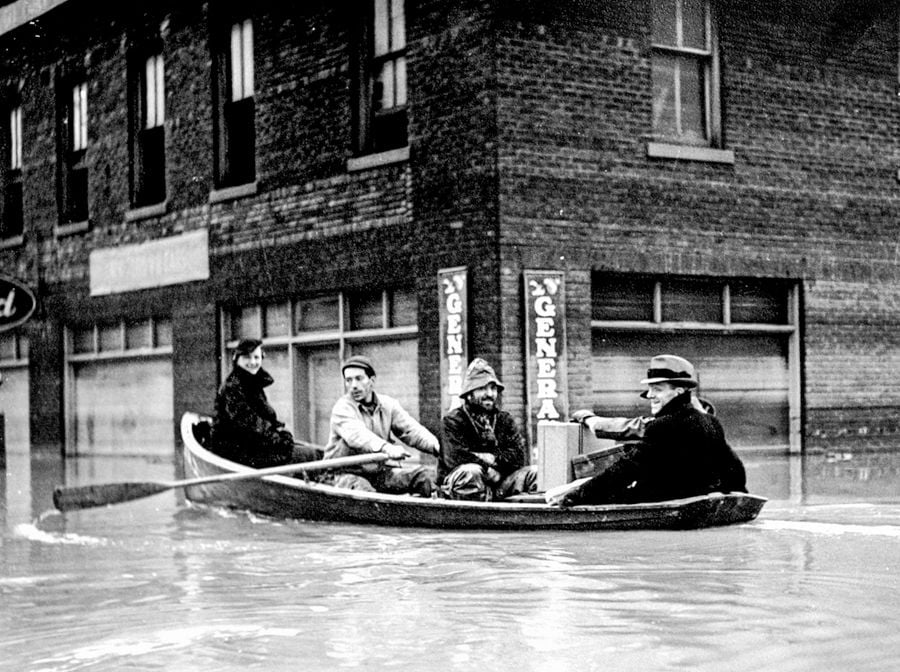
<point>382,96</point>
<point>148,139</point>
<point>685,73</point>
<point>72,149</point>
<point>235,111</point>
<point>12,213</point>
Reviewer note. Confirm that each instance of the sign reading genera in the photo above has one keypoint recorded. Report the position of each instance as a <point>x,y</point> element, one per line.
<point>545,333</point>
<point>453,309</point>
<point>156,263</point>
<point>17,303</point>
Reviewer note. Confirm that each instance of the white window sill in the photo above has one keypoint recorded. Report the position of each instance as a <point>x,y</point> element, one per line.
<point>73,228</point>
<point>664,150</point>
<point>231,193</point>
<point>144,212</point>
<point>392,156</point>
<point>12,241</point>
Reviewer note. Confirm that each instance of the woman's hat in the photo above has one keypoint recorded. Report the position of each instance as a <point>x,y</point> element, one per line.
<point>671,369</point>
<point>245,347</point>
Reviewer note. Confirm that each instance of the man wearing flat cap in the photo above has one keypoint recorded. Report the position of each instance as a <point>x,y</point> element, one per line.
<point>682,451</point>
<point>365,422</point>
<point>484,455</point>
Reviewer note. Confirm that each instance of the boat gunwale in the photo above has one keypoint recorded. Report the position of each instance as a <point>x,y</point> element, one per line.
<point>662,508</point>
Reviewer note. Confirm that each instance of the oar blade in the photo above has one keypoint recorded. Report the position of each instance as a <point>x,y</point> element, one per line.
<point>88,496</point>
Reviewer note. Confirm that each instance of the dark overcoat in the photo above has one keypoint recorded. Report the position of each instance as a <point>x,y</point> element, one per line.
<point>246,427</point>
<point>683,453</point>
<point>462,437</point>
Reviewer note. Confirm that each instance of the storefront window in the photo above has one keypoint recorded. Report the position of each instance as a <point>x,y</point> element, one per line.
<point>305,360</point>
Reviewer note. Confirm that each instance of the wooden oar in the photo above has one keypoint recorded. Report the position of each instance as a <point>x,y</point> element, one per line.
<point>102,494</point>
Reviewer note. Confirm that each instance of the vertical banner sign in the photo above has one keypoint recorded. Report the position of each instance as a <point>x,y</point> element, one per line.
<point>545,334</point>
<point>453,310</point>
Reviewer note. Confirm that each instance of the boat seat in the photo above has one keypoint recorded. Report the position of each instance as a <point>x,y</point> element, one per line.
<point>203,432</point>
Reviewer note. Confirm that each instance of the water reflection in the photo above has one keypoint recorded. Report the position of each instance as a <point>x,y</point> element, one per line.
<point>152,584</point>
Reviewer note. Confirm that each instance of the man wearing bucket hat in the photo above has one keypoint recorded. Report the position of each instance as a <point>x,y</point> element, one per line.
<point>364,422</point>
<point>483,455</point>
<point>682,453</point>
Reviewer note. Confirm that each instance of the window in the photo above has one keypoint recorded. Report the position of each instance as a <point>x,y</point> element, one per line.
<point>235,118</point>
<point>685,72</point>
<point>119,389</point>
<point>381,117</point>
<point>306,339</point>
<point>148,139</point>
<point>72,143</point>
<point>741,334</point>
<point>12,213</point>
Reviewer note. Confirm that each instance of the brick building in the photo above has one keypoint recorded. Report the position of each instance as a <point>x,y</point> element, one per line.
<point>564,188</point>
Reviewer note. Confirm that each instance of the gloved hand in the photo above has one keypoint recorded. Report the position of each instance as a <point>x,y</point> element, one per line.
<point>582,415</point>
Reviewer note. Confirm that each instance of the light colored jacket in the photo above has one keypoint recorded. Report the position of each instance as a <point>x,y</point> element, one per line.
<point>356,430</point>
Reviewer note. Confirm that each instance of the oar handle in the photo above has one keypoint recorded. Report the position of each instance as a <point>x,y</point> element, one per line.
<point>316,465</point>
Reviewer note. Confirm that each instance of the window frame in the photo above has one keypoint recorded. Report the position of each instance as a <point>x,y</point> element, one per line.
<point>370,61</point>
<point>12,214</point>
<point>73,143</point>
<point>147,117</point>
<point>339,333</point>
<point>678,146</point>
<point>790,330</point>
<point>234,101</point>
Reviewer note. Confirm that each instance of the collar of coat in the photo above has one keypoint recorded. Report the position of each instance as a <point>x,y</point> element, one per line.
<point>676,405</point>
<point>260,379</point>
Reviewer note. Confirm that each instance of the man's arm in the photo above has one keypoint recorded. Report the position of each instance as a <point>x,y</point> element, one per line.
<point>409,430</point>
<point>456,448</point>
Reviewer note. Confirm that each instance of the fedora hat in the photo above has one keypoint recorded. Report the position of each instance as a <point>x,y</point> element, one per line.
<point>671,369</point>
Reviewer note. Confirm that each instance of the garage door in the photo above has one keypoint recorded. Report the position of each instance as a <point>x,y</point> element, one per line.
<point>123,407</point>
<point>746,378</point>
<point>14,407</point>
<point>119,397</point>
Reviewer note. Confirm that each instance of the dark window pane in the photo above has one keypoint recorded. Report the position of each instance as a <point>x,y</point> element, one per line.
<point>622,298</point>
<point>245,323</point>
<point>691,72</point>
<point>691,301</point>
<point>7,346</point>
<point>693,24</point>
<point>13,215</point>
<point>110,338</point>
<point>404,308</point>
<point>389,130</point>
<point>664,22</point>
<point>76,195</point>
<point>665,121</point>
<point>366,311</point>
<point>162,329</point>
<point>759,302</point>
<point>83,340</point>
<point>150,178</point>
<point>277,320</point>
<point>137,335</point>
<point>318,314</point>
<point>240,142</point>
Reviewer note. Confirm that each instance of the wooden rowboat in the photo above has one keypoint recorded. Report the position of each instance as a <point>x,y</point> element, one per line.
<point>288,497</point>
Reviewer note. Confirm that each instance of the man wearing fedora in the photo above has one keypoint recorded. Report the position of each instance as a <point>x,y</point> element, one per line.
<point>484,455</point>
<point>364,422</point>
<point>681,452</point>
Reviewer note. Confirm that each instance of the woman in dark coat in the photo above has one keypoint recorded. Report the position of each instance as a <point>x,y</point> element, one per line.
<point>247,429</point>
<point>683,452</point>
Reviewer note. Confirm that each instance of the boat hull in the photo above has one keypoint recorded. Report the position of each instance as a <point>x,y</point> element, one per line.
<point>295,498</point>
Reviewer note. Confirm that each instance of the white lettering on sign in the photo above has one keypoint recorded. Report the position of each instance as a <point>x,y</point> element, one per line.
<point>453,285</point>
<point>8,305</point>
<point>544,295</point>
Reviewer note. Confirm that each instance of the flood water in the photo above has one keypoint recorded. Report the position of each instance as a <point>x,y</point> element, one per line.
<point>812,585</point>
